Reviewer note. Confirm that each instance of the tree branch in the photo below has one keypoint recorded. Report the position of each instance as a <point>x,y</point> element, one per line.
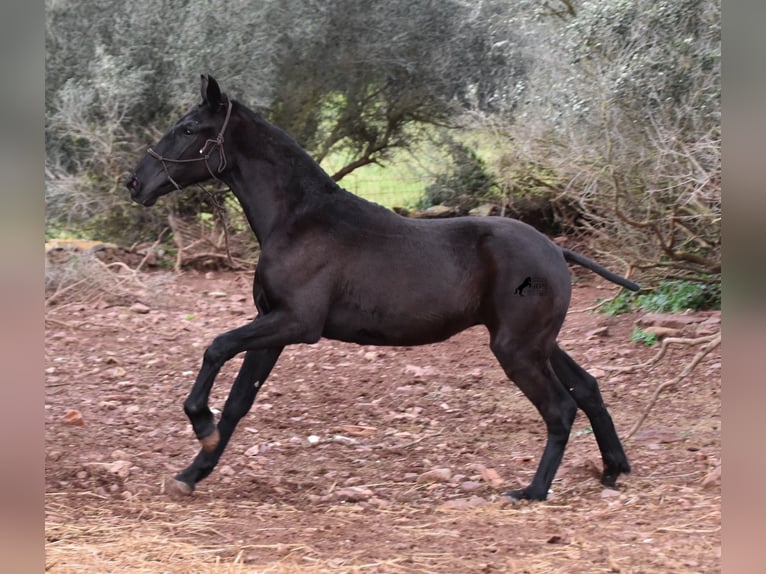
<point>712,342</point>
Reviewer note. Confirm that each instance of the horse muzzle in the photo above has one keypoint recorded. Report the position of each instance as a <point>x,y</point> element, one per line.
<point>135,187</point>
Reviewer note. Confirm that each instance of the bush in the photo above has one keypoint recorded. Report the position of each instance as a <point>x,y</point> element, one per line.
<point>623,102</point>
<point>670,296</point>
<point>640,336</point>
<point>465,184</point>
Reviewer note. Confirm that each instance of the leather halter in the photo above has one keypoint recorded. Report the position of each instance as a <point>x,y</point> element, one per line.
<point>213,144</point>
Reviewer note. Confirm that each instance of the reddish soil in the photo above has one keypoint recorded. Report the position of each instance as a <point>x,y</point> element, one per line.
<point>352,498</point>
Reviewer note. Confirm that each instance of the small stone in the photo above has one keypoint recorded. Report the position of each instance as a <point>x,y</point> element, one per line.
<point>115,372</point>
<point>435,475</point>
<point>254,450</point>
<point>491,477</point>
<point>353,494</point>
<point>73,418</point>
<point>470,486</point>
<point>610,493</point>
<point>226,470</point>
<point>599,332</point>
<point>416,371</point>
<point>120,468</point>
<point>662,332</point>
<point>139,308</point>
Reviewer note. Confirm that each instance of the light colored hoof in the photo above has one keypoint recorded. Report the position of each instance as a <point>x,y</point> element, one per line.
<point>176,489</point>
<point>210,441</point>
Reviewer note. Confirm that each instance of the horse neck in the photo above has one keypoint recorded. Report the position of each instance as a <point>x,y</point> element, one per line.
<point>274,183</point>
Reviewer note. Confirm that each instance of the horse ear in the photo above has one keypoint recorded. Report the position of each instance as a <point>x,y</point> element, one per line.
<point>210,91</point>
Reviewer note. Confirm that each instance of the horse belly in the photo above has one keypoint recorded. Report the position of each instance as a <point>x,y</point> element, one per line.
<point>399,327</point>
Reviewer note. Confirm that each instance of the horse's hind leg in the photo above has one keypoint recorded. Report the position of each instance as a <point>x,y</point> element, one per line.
<point>255,369</point>
<point>530,370</point>
<point>584,390</point>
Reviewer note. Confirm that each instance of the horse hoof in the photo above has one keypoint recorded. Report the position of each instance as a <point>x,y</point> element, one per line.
<point>176,489</point>
<point>517,496</point>
<point>210,441</point>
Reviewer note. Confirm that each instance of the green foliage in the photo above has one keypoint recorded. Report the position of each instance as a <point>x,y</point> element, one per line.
<point>623,303</point>
<point>640,336</point>
<point>677,296</point>
<point>466,183</point>
<point>670,296</point>
<point>331,73</point>
<point>623,103</point>
<point>606,105</point>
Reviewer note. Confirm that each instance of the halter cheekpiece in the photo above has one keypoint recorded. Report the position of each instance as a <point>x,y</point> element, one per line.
<point>212,144</point>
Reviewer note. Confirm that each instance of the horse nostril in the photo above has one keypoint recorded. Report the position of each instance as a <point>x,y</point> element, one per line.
<point>131,182</point>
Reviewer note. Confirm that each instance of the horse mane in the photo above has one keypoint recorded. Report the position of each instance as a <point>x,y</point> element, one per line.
<point>289,143</point>
<point>317,188</point>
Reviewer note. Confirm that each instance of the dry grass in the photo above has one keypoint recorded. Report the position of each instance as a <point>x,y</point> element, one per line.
<point>109,543</point>
<point>171,538</point>
<point>85,279</point>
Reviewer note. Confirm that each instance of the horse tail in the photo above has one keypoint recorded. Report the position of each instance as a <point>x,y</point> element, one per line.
<point>574,257</point>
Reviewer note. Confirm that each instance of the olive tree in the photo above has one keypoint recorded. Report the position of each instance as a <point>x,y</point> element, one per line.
<point>350,80</point>
<point>622,104</point>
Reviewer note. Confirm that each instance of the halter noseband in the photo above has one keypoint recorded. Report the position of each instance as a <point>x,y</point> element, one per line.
<point>213,143</point>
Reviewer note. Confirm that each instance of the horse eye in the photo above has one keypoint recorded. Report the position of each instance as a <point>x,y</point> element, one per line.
<point>188,131</point>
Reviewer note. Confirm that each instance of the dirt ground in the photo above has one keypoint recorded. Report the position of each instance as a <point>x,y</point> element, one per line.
<point>365,459</point>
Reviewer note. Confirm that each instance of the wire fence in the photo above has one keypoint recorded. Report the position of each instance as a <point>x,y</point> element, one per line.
<point>389,191</point>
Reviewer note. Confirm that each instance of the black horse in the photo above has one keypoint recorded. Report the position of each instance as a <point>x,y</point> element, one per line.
<point>334,265</point>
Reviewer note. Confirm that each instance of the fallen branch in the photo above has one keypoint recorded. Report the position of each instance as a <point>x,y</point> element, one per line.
<point>61,291</point>
<point>235,263</point>
<point>664,346</point>
<point>87,279</point>
<point>151,249</point>
<point>713,342</point>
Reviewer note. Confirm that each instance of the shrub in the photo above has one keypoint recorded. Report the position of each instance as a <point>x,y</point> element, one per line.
<point>465,184</point>
<point>670,296</point>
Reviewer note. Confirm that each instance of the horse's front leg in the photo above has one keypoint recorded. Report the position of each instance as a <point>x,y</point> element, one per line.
<point>255,369</point>
<point>271,331</point>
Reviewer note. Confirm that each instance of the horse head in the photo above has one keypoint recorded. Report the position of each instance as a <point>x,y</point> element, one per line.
<point>192,150</point>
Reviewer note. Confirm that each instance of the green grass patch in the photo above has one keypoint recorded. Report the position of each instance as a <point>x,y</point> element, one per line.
<point>670,296</point>
<point>395,185</point>
<point>640,336</point>
<point>400,180</point>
